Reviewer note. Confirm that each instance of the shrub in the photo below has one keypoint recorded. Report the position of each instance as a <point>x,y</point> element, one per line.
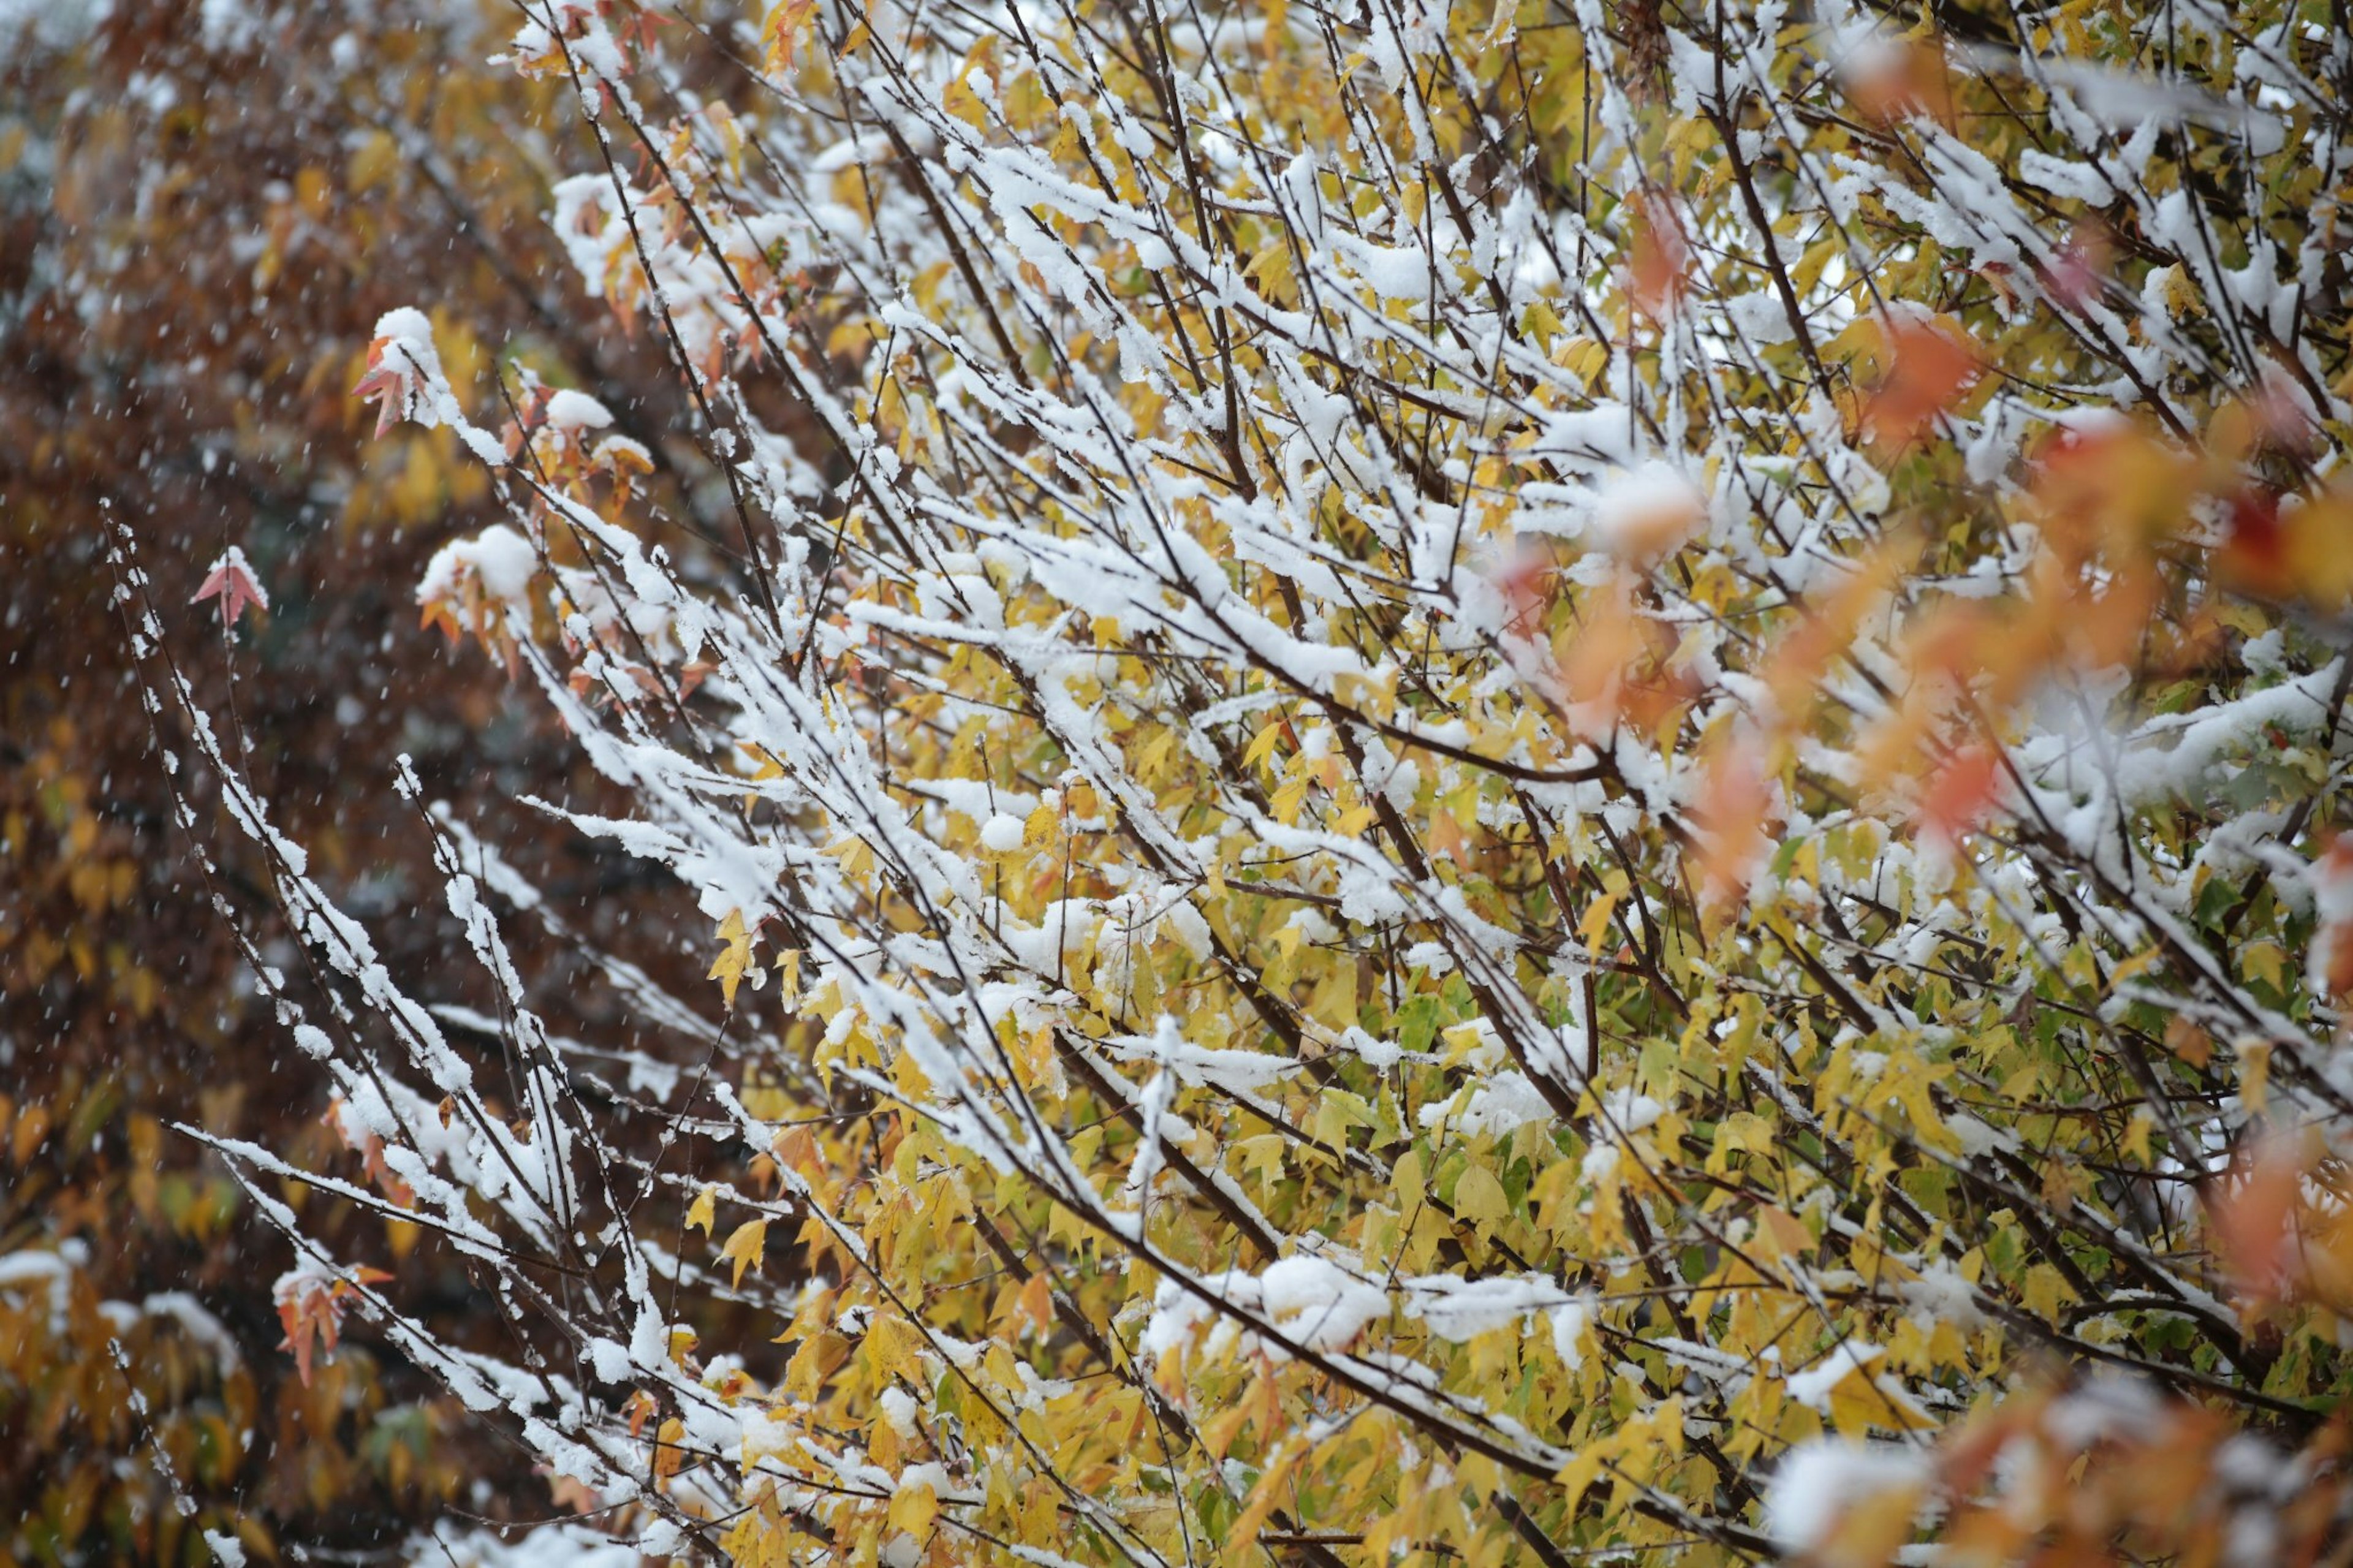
<point>1517,782</point>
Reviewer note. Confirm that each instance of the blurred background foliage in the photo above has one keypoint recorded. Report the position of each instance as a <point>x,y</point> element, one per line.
<point>203,208</point>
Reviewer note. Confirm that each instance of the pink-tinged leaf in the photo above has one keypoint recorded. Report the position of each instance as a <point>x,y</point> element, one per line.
<point>232,582</point>
<point>387,385</point>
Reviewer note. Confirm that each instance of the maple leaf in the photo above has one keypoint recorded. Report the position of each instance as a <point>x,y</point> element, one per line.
<point>745,1247</point>
<point>232,582</point>
<point>388,382</point>
<point>310,1307</point>
<point>734,955</point>
<point>531,408</point>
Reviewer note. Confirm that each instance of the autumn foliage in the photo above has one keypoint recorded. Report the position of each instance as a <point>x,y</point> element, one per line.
<point>1520,782</point>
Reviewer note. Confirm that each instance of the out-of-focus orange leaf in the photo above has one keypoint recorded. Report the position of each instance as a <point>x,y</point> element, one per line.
<point>1927,368</point>
<point>1731,816</point>
<point>1898,79</point>
<point>2112,486</point>
<point>2279,548</point>
<point>1529,584</point>
<point>1615,659</point>
<point>1959,794</point>
<point>1660,256</point>
<point>2252,1219</point>
<point>2332,941</point>
<point>2254,551</point>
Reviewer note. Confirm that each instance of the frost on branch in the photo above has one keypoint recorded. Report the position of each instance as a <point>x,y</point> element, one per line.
<point>1483,782</point>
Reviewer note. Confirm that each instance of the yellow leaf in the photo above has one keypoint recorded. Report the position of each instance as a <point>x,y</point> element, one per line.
<point>912,1509</point>
<point>1479,1198</point>
<point>745,1247</point>
<point>1288,799</point>
<point>784,26</point>
<point>734,955</point>
<point>667,1453</point>
<point>2045,1293</point>
<point>698,1213</point>
<point>1783,1232</point>
<point>2136,1133</point>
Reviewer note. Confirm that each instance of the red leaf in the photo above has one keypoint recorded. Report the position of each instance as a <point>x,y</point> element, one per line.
<point>2255,556</point>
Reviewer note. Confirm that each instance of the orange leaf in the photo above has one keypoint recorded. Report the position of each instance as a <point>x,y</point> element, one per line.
<point>1927,370</point>
<point>1959,794</point>
<point>1661,255</point>
<point>2253,1221</point>
<point>1038,1302</point>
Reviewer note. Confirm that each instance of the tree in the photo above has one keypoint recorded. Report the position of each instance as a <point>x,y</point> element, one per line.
<point>1509,781</point>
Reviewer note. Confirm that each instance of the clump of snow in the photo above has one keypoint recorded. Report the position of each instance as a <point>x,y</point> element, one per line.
<point>1570,1322</point>
<point>569,410</point>
<point>549,1546</point>
<point>1502,1105</point>
<point>31,27</point>
<point>1816,1484</point>
<point>1460,1310</point>
<point>51,1272</point>
<point>195,1322</point>
<point>1941,1295</point>
<point>228,26</point>
<point>1320,1304</point>
<point>500,560</point>
<point>1001,834</point>
<point>1327,1304</point>
<point>899,1410</point>
<point>1812,1387</point>
<point>1645,512</point>
<point>1628,1111</point>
